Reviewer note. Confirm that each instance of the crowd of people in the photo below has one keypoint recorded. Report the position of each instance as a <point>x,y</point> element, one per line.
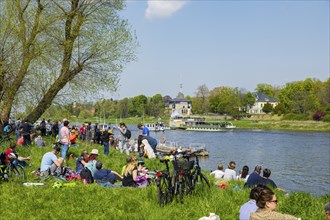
<point>262,203</point>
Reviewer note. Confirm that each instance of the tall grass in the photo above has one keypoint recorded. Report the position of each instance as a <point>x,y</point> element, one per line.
<point>96,202</point>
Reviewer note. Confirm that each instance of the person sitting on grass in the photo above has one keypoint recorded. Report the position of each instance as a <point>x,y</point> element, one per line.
<point>218,174</point>
<point>81,161</point>
<point>267,203</point>
<point>128,160</point>
<point>230,173</point>
<point>50,164</point>
<point>266,181</point>
<point>250,206</point>
<point>11,154</point>
<point>254,178</point>
<point>130,174</point>
<point>39,142</point>
<point>244,174</point>
<point>105,177</point>
<point>91,165</point>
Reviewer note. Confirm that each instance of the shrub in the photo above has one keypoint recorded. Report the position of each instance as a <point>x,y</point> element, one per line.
<point>326,118</point>
<point>295,117</point>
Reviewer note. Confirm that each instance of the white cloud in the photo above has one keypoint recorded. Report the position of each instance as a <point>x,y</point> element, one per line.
<point>163,8</point>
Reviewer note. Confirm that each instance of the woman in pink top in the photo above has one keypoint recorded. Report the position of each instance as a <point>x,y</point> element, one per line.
<point>65,138</point>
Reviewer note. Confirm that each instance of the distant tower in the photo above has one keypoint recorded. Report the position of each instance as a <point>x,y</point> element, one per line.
<point>180,94</point>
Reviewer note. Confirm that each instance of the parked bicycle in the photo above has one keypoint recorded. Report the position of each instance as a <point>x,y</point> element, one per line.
<point>163,182</point>
<point>12,171</point>
<point>196,175</point>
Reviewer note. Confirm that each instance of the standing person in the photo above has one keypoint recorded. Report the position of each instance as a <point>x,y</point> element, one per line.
<point>50,163</point>
<point>250,206</point>
<point>267,203</point>
<point>55,129</point>
<point>65,138</point>
<point>43,127</point>
<point>123,140</point>
<point>48,128</point>
<point>145,130</point>
<point>105,137</point>
<point>254,178</point>
<point>26,130</point>
<point>89,133</point>
<point>82,131</point>
<point>230,173</point>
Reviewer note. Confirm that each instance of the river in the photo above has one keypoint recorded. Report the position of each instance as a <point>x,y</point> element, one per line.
<point>299,161</point>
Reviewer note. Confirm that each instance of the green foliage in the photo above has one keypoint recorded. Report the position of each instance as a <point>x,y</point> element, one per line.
<point>79,201</point>
<point>326,118</point>
<point>267,108</point>
<point>266,89</point>
<point>295,117</point>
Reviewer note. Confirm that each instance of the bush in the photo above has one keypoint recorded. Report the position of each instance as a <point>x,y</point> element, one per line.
<point>318,115</point>
<point>326,118</point>
<point>295,117</point>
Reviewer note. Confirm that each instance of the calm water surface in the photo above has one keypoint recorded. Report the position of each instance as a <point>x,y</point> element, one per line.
<point>299,161</point>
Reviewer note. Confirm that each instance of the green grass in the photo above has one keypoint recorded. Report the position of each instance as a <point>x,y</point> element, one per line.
<point>96,202</point>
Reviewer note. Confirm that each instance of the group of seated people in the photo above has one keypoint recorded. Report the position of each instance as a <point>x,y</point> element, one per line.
<point>133,174</point>
<point>250,179</point>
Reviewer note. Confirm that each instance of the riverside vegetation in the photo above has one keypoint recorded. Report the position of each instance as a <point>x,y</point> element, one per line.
<point>96,202</point>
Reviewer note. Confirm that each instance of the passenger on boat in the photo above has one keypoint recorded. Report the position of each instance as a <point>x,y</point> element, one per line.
<point>266,181</point>
<point>243,174</point>
<point>218,174</point>
<point>254,178</point>
<point>230,173</point>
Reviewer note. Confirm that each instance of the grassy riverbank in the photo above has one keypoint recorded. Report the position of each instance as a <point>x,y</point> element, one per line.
<point>96,202</point>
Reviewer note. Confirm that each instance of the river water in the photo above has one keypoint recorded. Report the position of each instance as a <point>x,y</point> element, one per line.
<point>299,161</point>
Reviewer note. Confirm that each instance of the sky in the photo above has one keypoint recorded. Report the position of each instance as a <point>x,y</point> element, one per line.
<point>224,43</point>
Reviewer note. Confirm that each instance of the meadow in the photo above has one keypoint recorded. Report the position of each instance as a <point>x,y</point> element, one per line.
<point>79,201</point>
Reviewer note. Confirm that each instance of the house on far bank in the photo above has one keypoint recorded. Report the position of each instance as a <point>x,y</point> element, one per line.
<point>179,106</point>
<point>261,100</point>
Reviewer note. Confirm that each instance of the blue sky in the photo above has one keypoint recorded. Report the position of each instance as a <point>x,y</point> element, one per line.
<point>224,43</point>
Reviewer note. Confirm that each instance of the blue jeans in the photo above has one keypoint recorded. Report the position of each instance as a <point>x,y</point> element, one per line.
<point>65,148</point>
<point>106,147</point>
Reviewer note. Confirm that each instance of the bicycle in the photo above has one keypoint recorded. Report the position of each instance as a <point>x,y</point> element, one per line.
<point>182,175</point>
<point>11,171</point>
<point>197,172</point>
<point>163,182</point>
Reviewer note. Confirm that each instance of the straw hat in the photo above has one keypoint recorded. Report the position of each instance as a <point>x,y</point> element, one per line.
<point>95,152</point>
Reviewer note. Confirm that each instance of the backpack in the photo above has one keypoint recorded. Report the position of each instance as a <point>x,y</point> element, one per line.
<point>87,175</point>
<point>128,134</point>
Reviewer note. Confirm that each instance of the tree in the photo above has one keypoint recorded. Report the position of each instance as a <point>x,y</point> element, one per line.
<point>200,102</point>
<point>266,89</point>
<point>156,106</point>
<point>223,101</point>
<point>80,46</point>
<point>248,100</point>
<point>267,108</point>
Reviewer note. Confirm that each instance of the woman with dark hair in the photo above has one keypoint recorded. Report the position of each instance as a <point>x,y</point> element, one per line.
<point>267,203</point>
<point>243,174</point>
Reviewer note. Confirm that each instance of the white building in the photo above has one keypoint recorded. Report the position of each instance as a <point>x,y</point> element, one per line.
<point>261,100</point>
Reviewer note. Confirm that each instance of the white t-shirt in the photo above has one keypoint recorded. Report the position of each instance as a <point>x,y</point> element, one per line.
<point>218,174</point>
<point>229,174</point>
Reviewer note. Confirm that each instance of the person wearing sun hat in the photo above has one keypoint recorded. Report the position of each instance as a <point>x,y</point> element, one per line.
<point>91,165</point>
<point>230,173</point>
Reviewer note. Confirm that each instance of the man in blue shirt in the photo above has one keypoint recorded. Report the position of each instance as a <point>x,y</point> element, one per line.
<point>145,130</point>
<point>255,178</point>
<point>152,141</point>
<point>105,175</point>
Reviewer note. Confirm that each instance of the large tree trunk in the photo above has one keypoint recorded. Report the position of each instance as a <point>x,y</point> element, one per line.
<point>27,57</point>
<point>71,33</point>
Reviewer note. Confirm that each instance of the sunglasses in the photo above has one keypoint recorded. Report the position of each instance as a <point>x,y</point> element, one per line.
<point>275,201</point>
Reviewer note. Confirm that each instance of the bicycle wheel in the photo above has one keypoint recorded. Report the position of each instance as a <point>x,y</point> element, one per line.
<point>181,190</point>
<point>16,173</point>
<point>164,194</point>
